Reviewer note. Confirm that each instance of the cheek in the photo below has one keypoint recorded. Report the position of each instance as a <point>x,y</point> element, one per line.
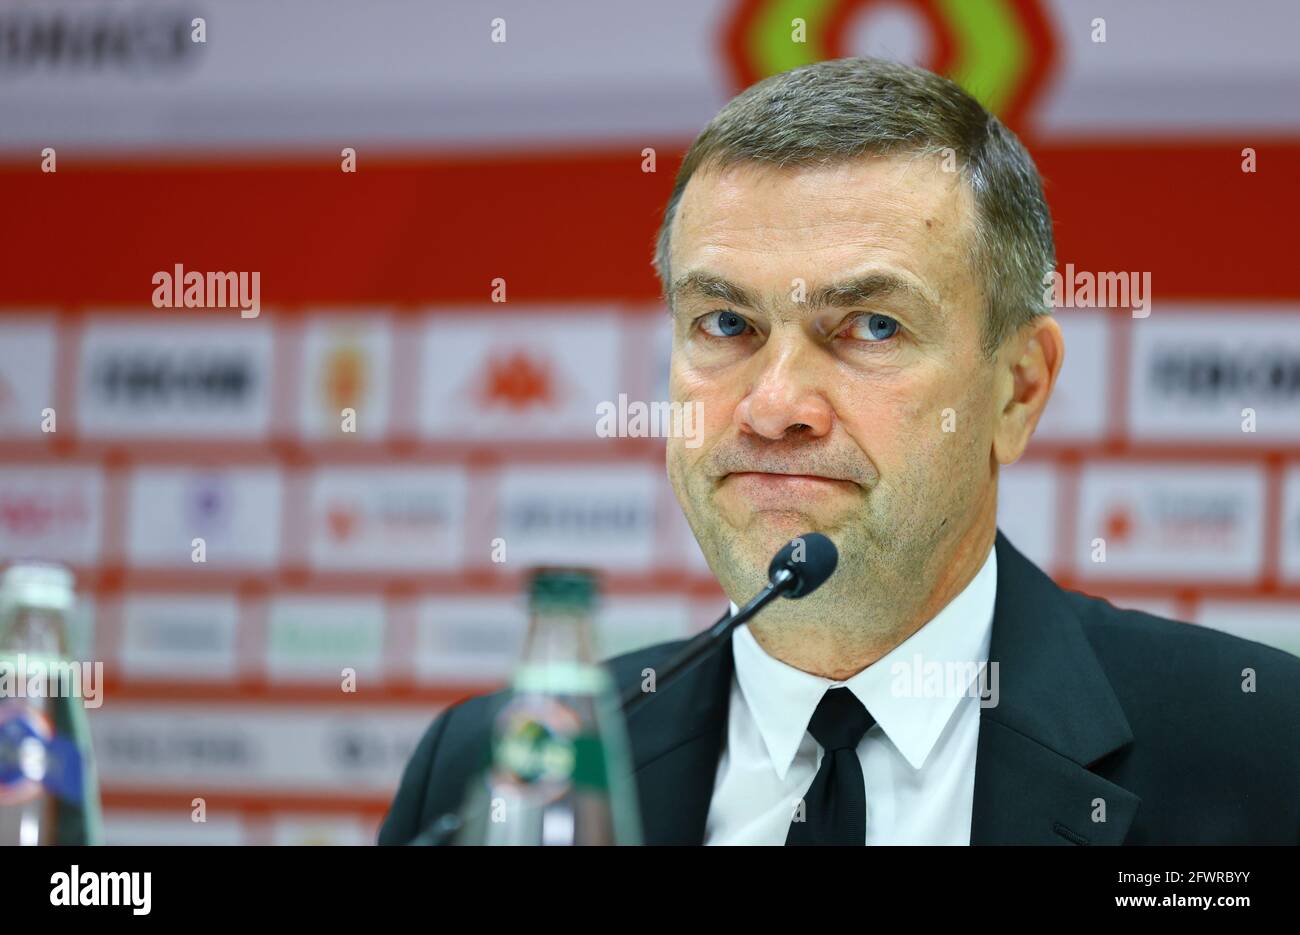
<point>717,396</point>
<point>887,418</point>
<point>684,382</point>
<point>904,419</point>
<point>673,459</point>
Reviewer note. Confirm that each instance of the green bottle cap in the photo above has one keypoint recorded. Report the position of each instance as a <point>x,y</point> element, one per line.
<point>570,590</point>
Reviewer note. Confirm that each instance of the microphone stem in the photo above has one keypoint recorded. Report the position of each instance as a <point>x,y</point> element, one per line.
<point>705,642</point>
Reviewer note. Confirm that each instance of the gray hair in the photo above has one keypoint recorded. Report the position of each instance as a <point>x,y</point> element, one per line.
<point>834,111</point>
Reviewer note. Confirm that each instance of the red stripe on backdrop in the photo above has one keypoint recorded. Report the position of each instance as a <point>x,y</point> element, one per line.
<point>576,227</point>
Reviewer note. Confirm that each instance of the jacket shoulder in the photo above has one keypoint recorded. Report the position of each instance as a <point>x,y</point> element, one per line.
<point>1137,631</point>
<point>1216,726</point>
<point>1191,676</point>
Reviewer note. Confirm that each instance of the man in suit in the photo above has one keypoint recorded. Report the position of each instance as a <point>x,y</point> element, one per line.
<point>855,256</point>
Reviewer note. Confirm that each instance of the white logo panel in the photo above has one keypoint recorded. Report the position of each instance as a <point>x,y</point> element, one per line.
<point>533,375</point>
<point>1177,522</point>
<point>168,378</point>
<point>180,637</point>
<point>598,515</point>
<point>235,511</point>
<point>315,638</point>
<point>1192,375</point>
<point>387,518</point>
<point>347,363</point>
<point>27,351</point>
<point>53,513</point>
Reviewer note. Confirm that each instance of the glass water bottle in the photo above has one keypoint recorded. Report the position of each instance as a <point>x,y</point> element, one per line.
<point>559,770</point>
<point>48,792</point>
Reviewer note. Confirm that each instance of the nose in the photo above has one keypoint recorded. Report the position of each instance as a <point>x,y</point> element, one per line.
<point>785,397</point>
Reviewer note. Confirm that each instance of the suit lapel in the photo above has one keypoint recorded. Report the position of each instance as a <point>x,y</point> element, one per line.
<point>1056,715</point>
<point>676,741</point>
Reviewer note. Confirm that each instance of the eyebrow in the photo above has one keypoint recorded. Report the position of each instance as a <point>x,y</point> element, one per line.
<point>707,286</point>
<point>857,291</point>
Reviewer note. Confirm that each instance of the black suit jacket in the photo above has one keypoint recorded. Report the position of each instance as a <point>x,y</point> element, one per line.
<point>1096,703</point>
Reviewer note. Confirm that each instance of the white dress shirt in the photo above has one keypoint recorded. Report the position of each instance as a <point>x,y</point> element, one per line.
<point>918,760</point>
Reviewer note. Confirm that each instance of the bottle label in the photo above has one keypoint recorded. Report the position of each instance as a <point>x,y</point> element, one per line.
<point>535,751</point>
<point>33,758</point>
<point>544,748</point>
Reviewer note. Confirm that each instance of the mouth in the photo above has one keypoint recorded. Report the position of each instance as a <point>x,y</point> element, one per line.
<point>785,490</point>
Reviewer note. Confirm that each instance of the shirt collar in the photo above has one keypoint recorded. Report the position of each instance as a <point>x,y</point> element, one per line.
<point>912,691</point>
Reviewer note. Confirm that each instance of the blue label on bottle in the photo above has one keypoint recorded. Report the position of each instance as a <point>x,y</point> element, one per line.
<point>32,758</point>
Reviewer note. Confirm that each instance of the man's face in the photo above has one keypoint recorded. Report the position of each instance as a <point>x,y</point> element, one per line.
<point>829,321</point>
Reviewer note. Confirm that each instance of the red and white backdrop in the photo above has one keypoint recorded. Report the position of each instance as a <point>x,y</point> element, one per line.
<point>522,161</point>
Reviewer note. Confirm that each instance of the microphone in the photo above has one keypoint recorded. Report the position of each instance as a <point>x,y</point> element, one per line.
<point>809,560</point>
<point>801,566</point>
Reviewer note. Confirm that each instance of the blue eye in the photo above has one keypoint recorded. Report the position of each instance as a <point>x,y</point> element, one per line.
<point>724,324</point>
<point>873,327</point>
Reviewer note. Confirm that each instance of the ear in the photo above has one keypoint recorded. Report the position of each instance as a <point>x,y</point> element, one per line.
<point>1028,365</point>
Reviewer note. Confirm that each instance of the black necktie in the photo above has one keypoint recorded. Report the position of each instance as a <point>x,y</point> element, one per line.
<point>835,805</point>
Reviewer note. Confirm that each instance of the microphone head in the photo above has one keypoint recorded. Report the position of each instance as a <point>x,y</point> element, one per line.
<point>810,558</point>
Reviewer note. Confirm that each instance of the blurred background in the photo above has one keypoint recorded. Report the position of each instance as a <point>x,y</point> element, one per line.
<point>525,150</point>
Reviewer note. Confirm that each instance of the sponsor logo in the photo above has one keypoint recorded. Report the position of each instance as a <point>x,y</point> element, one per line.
<point>34,759</point>
<point>160,378</point>
<point>301,638</point>
<point>173,636</point>
<point>542,514</point>
<point>204,379</point>
<point>316,638</point>
<point>516,381</point>
<point>479,380</point>
<point>51,512</point>
<point>274,748</point>
<point>207,504</point>
<point>409,514</point>
<point>1180,521</point>
<point>178,746</point>
<point>360,746</point>
<point>234,512</point>
<point>147,39</point>
<point>345,376</point>
<point>1192,380</point>
<point>43,513</point>
<point>25,738</point>
<point>1003,56</point>
<point>1212,374</point>
<point>600,514</point>
<point>344,385</point>
<point>1187,520</point>
<point>387,518</point>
